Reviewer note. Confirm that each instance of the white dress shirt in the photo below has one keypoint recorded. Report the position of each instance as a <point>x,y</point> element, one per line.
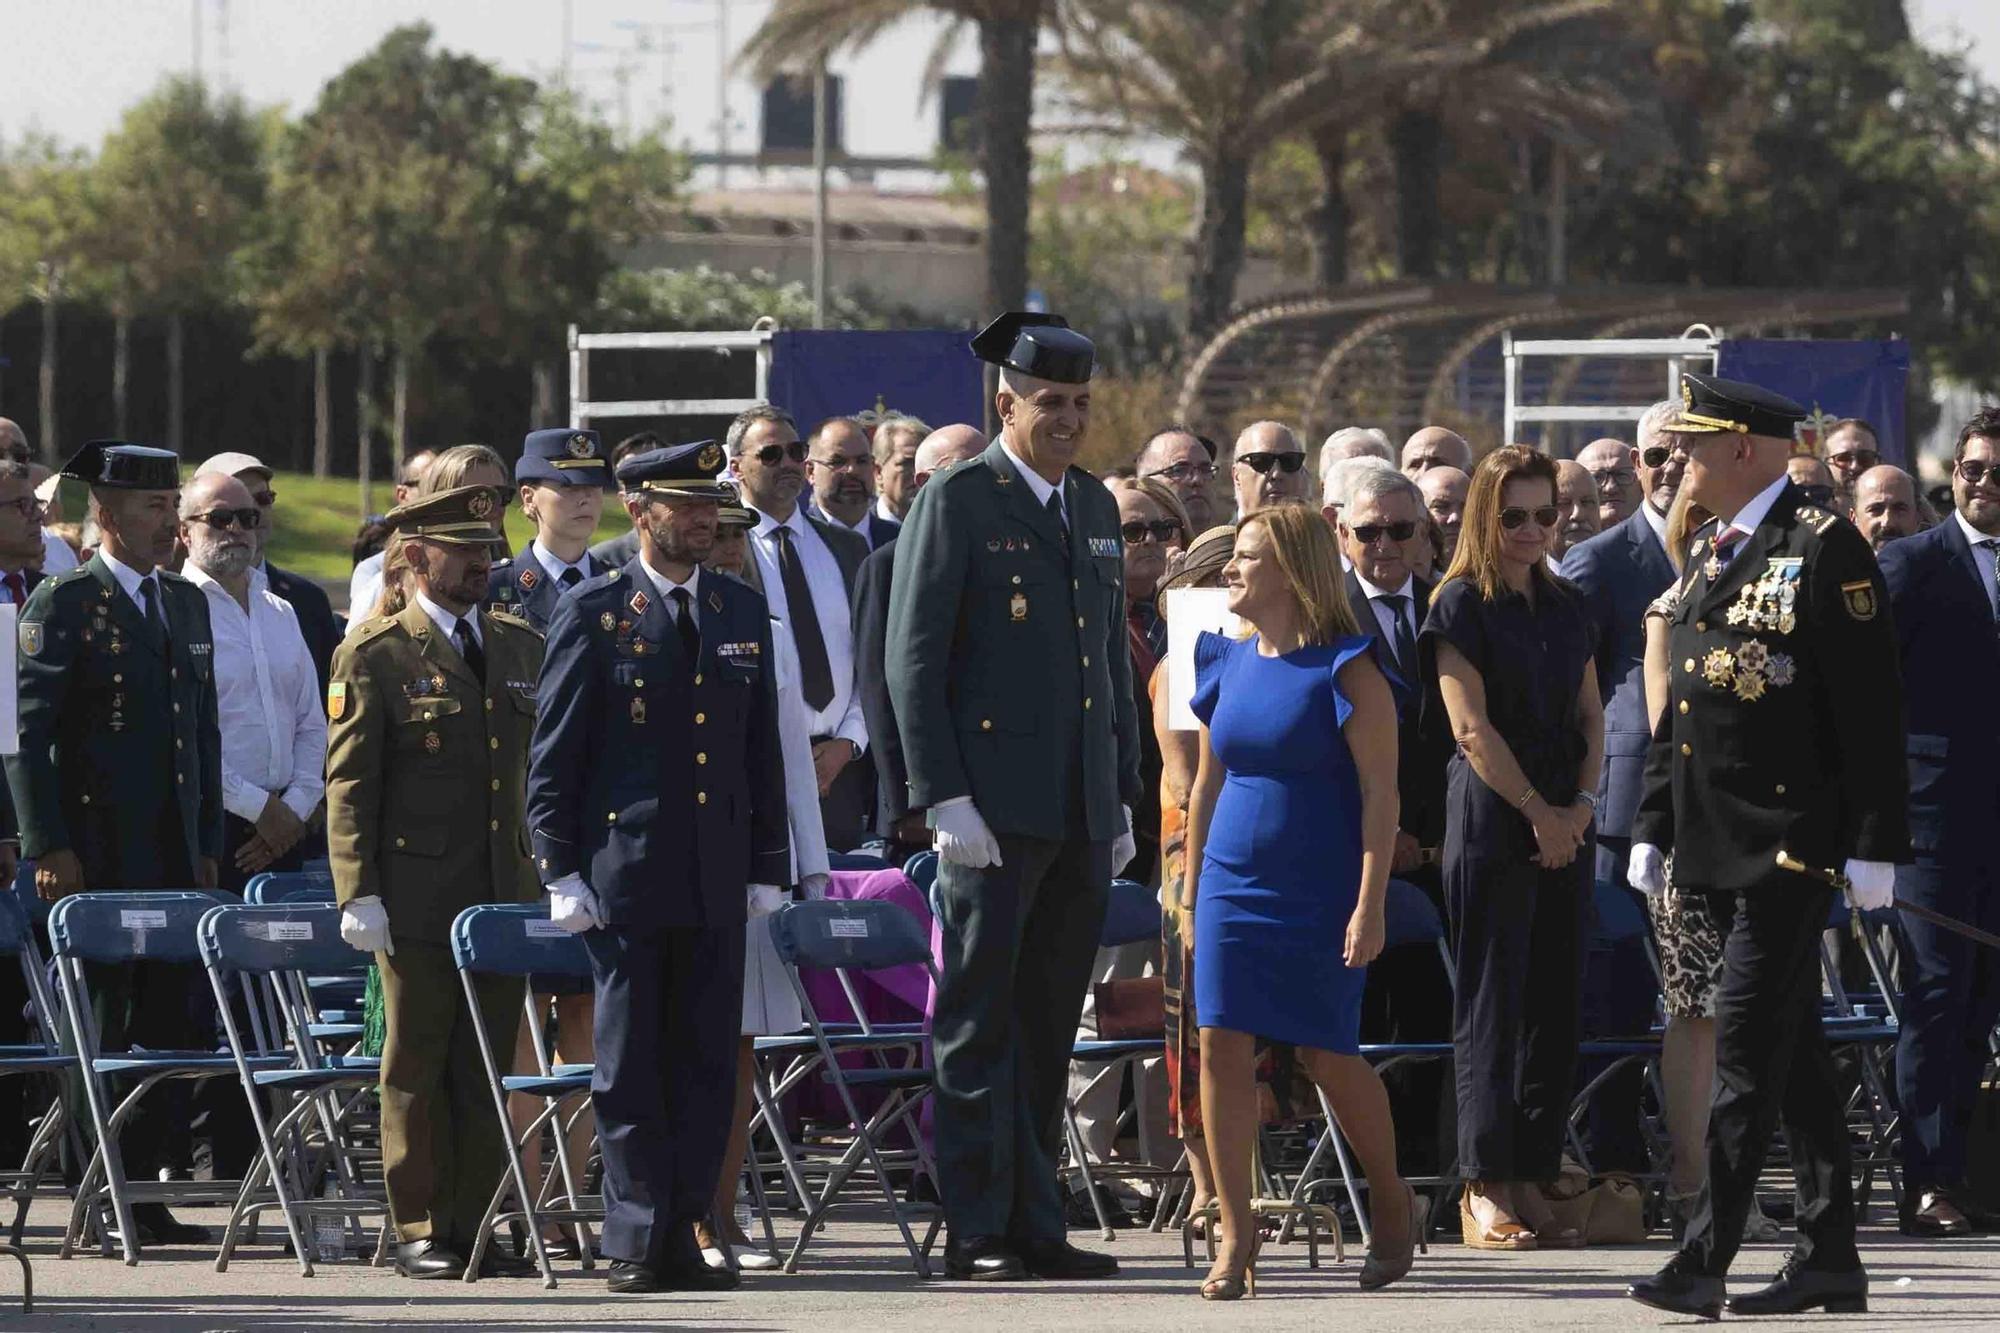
<point>1039,485</point>
<point>364,588</point>
<point>861,529</point>
<point>1750,515</point>
<point>267,701</point>
<point>1384,613</point>
<point>883,511</point>
<point>129,579</point>
<point>57,555</point>
<point>447,623</point>
<point>555,566</point>
<point>665,587</point>
<point>842,715</point>
<point>1983,556</point>
<point>1656,521</point>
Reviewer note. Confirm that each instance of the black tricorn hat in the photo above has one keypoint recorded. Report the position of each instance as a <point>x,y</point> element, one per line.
<point>1044,346</point>
<point>126,467</point>
<point>1710,403</point>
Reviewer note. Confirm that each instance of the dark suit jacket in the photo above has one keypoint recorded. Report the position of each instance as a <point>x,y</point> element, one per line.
<point>848,552</point>
<point>1422,747</point>
<point>323,629</point>
<point>617,552</point>
<point>1944,627</point>
<point>1619,572</point>
<point>10,823</point>
<point>880,531</point>
<point>871,682</point>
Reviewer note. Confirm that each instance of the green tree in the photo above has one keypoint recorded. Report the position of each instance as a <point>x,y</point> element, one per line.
<point>44,220</point>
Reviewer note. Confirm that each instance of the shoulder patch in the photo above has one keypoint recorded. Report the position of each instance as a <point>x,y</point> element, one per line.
<point>336,699</point>
<point>31,638</point>
<point>510,620</point>
<point>1859,598</point>
<point>372,629</point>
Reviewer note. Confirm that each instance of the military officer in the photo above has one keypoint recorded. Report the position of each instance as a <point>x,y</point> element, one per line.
<point>563,476</point>
<point>658,858</point>
<point>430,713</point>
<point>1761,762</point>
<point>1013,695</point>
<point>118,782</point>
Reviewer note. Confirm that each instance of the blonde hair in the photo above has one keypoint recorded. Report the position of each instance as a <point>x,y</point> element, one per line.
<point>1309,557</point>
<point>447,472</point>
<point>1478,554</point>
<point>1684,519</point>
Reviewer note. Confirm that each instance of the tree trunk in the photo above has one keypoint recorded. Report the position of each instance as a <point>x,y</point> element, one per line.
<point>1330,215</point>
<point>1218,241</point>
<point>1416,140</point>
<point>399,409</point>
<point>176,384</point>
<point>1005,103</point>
<point>45,409</point>
<point>542,412</point>
<point>322,413</point>
<point>364,423</point>
<point>121,372</point>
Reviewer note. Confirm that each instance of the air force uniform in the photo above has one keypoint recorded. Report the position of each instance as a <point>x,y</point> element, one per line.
<point>529,584</point>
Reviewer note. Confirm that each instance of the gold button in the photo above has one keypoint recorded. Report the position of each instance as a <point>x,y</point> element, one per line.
<point>1688,665</point>
<point>697,678</point>
<point>700,718</point>
<point>496,826</point>
<point>117,678</point>
<point>701,798</point>
<point>986,724</point>
<point>638,684</point>
<point>1686,749</point>
<point>1079,622</point>
<point>428,715</point>
<point>701,758</point>
<point>496,784</point>
<point>489,705</point>
<point>493,743</point>
<point>1781,789</point>
<point>401,843</point>
<point>1684,705</point>
<point>1701,626</point>
<point>1086,703</point>
<point>1017,578</point>
<point>1086,659</point>
<point>611,818</point>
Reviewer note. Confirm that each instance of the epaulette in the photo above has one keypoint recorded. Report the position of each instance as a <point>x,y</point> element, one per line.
<point>373,628</point>
<point>1819,520</point>
<point>69,576</point>
<point>509,619</point>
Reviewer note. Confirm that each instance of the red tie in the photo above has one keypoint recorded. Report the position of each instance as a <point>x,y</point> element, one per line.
<point>17,587</point>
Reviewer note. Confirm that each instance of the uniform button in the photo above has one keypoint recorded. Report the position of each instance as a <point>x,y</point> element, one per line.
<point>1701,627</point>
<point>428,715</point>
<point>697,679</point>
<point>1074,584</point>
<point>496,826</point>
<point>1684,705</point>
<point>1086,659</point>
<point>180,777</point>
<point>638,684</point>
<point>1086,704</point>
<point>700,758</point>
<point>400,843</point>
<point>489,705</point>
<point>1017,578</point>
<point>173,673</point>
<point>1781,789</point>
<point>1079,622</point>
<point>986,724</point>
<point>177,744</point>
<point>701,798</point>
<point>611,818</point>
<point>117,678</point>
<point>545,863</point>
<point>700,718</point>
<point>1686,749</point>
<point>177,708</point>
<point>493,743</point>
<point>496,784</point>
<point>1688,666</point>
<point>86,798</point>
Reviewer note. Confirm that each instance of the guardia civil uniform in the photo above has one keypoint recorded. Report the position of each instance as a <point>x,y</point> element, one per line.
<point>426,764</point>
<point>1011,684</point>
<point>525,585</point>
<point>1783,736</point>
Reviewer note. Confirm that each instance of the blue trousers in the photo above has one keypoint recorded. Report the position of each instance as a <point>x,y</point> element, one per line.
<point>1951,999</point>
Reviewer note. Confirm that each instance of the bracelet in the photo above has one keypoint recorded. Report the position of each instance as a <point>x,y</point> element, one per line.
<point>1526,796</point>
<point>1589,798</point>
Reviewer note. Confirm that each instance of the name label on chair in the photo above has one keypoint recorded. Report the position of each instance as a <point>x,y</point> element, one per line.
<point>843,929</point>
<point>543,930</point>
<point>276,931</point>
<point>142,919</point>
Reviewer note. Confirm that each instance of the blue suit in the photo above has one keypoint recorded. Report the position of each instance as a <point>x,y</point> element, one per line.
<point>1619,572</point>
<point>1951,654</point>
<point>660,781</point>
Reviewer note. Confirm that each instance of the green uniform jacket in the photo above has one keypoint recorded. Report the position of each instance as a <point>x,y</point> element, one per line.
<point>1007,660</point>
<point>425,769</point>
<point>118,731</point>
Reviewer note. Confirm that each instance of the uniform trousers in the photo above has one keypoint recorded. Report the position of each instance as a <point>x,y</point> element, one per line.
<point>442,1149</point>
<point>669,1015</point>
<point>1018,942</point>
<point>1951,999</point>
<point>1772,1066</point>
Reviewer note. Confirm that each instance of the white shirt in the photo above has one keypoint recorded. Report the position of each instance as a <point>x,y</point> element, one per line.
<point>7,594</point>
<point>883,511</point>
<point>861,529</point>
<point>1982,555</point>
<point>57,557</point>
<point>267,701</point>
<point>842,715</point>
<point>1037,483</point>
<point>1750,515</point>
<point>665,587</point>
<point>1384,613</point>
<point>554,565</point>
<point>447,623</point>
<point>364,588</point>
<point>129,579</point>
<point>1656,521</point>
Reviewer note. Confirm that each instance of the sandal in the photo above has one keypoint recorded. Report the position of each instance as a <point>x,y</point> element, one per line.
<point>1541,1219</point>
<point>1485,1234</point>
<point>1232,1284</point>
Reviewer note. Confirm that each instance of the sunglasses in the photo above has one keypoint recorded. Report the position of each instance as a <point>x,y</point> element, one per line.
<point>1975,471</point>
<point>1262,463</point>
<point>1369,533</point>
<point>1162,530</point>
<point>265,498</point>
<point>771,453</point>
<point>1183,473</point>
<point>1514,516</point>
<point>1655,455</point>
<point>1855,458</point>
<point>1819,495</point>
<point>247,519</point>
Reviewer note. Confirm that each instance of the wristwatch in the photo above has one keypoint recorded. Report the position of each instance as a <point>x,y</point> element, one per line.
<point>1589,798</point>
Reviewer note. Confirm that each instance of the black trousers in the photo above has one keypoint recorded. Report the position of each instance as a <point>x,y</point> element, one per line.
<point>1772,1066</point>
<point>236,832</point>
<point>1019,940</point>
<point>163,1007</point>
<point>848,808</point>
<point>1951,999</point>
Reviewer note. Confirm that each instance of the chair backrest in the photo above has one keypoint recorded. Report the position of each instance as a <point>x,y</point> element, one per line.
<point>1409,916</point>
<point>291,937</point>
<point>13,924</point>
<point>514,939</point>
<point>862,934</point>
<point>922,870</point>
<point>1131,914</point>
<point>855,861</point>
<point>289,886</point>
<point>24,893</point>
<point>119,927</point>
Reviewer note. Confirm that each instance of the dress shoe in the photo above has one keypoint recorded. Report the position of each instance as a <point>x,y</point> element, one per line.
<point>1936,1216</point>
<point>1078,1213</point>
<point>1060,1260</point>
<point>496,1264</point>
<point>1679,1288</point>
<point>427,1258</point>
<point>629,1277</point>
<point>982,1259</point>
<point>1800,1288</point>
<point>157,1226</point>
<point>682,1275</point>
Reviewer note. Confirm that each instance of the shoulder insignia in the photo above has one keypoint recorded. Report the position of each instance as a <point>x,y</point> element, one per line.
<point>70,576</point>
<point>529,578</point>
<point>31,638</point>
<point>372,629</point>
<point>1819,520</point>
<point>503,616</point>
<point>1859,597</point>
<point>336,699</point>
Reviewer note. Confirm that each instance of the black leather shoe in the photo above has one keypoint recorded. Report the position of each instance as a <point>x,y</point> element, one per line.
<point>1678,1288</point>
<point>1800,1288</point>
<point>631,1278</point>
<point>427,1258</point>
<point>982,1259</point>
<point>1078,1213</point>
<point>1061,1260</point>
<point>697,1276</point>
<point>1933,1215</point>
<point>496,1264</point>
<point>157,1226</point>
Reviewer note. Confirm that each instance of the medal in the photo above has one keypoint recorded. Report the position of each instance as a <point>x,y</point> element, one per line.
<point>638,648</point>
<point>993,546</point>
<point>638,711</point>
<point>1018,606</point>
<point>608,621</point>
<point>433,742</point>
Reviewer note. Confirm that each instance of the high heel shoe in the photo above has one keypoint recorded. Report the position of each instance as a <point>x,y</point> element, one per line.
<point>1537,1211</point>
<point>1479,1235</point>
<point>1384,1266</point>
<point>1234,1285</point>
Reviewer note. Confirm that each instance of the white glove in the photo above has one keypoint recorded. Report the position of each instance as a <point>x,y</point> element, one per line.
<point>1871,885</point>
<point>814,886</point>
<point>573,906</point>
<point>1124,847</point>
<point>364,924</point>
<point>766,899</point>
<point>962,836</point>
<point>1646,871</point>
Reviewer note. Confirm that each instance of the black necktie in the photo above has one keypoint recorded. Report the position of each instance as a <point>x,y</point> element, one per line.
<point>1055,509</point>
<point>569,578</point>
<point>469,649</point>
<point>684,622</point>
<point>816,673</point>
<point>1400,645</point>
<point>155,619</point>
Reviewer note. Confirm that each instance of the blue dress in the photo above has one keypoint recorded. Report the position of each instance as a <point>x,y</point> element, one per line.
<point>1281,870</point>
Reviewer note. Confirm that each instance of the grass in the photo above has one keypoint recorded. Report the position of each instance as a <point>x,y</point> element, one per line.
<point>317,518</point>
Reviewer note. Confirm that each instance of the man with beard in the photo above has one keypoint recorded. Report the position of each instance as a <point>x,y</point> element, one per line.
<point>431,712</point>
<point>658,859</point>
<point>1576,498</point>
<point>841,467</point>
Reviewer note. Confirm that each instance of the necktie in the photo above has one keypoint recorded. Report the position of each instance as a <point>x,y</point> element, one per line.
<point>149,587</point>
<point>816,673</point>
<point>1056,512</point>
<point>1992,589</point>
<point>1725,542</point>
<point>1401,646</point>
<point>469,649</point>
<point>570,577</point>
<point>684,622</point>
<point>17,587</point>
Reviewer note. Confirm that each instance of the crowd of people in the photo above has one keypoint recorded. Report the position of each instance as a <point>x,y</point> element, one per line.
<point>1495,684</point>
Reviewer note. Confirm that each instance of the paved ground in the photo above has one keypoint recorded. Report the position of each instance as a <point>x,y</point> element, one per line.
<point>856,1277</point>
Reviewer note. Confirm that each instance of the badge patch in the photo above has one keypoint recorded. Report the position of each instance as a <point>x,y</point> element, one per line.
<point>1860,599</point>
<point>580,446</point>
<point>433,742</point>
<point>709,459</point>
<point>608,621</point>
<point>1104,546</point>
<point>336,694</point>
<point>529,578</point>
<point>31,638</point>
<point>1017,606</point>
<point>714,601</point>
<point>639,603</point>
<point>480,505</point>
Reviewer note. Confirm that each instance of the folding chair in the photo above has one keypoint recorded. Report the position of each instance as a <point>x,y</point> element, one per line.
<point>515,940</point>
<point>278,946</point>
<point>130,928</point>
<point>1619,921</point>
<point>855,861</point>
<point>863,936</point>
<point>1867,1027</point>
<point>922,870</point>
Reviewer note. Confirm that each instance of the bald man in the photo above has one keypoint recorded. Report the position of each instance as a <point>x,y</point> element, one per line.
<point>894,820</point>
<point>1886,505</point>
<point>1445,489</point>
<point>1613,466</point>
<point>1185,463</point>
<point>1576,498</point>
<point>1269,467</point>
<point>1813,477</point>
<point>1434,447</point>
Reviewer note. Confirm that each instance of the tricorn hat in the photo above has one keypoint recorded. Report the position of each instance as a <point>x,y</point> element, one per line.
<point>122,466</point>
<point>1044,346</point>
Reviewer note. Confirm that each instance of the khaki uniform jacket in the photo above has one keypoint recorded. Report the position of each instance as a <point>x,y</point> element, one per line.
<point>426,768</point>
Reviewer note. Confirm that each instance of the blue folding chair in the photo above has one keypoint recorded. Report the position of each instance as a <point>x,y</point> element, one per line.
<point>129,928</point>
<point>277,947</point>
<point>340,1006</point>
<point>514,940</point>
<point>922,870</point>
<point>855,861</point>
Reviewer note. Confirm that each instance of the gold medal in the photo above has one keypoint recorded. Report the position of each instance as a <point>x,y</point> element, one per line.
<point>1718,668</point>
<point>608,621</point>
<point>638,711</point>
<point>1018,605</point>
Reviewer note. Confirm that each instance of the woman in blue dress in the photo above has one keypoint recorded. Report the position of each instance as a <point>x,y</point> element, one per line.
<point>1291,826</point>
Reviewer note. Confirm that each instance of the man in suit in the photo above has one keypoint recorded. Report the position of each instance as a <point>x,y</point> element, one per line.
<point>118,781</point>
<point>562,476</point>
<point>364,587</point>
<point>1946,605</point>
<point>1763,758</point>
<point>903,827</point>
<point>840,467</point>
<point>1887,506</point>
<point>658,858</point>
<point>1613,466</point>
<point>806,568</point>
<point>20,557</point>
<point>321,628</point>
<point>430,713</point>
<point>895,448</point>
<point>1010,679</point>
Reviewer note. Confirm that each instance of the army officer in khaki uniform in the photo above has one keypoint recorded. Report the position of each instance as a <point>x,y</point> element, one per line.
<point>429,713</point>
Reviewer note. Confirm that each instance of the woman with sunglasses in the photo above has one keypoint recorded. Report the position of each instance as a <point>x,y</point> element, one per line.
<point>1507,652</point>
<point>1152,526</point>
